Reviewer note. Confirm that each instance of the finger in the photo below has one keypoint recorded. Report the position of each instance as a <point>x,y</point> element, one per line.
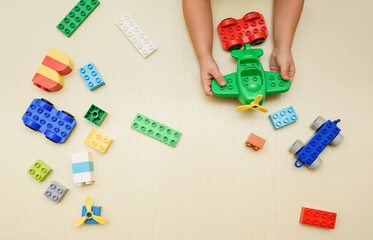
<point>292,73</point>
<point>207,88</point>
<point>219,78</point>
<point>285,71</point>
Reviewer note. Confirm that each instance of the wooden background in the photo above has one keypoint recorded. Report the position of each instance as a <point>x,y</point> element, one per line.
<point>210,186</point>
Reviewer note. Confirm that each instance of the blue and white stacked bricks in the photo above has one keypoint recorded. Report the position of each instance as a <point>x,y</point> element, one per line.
<point>283,117</point>
<point>83,171</point>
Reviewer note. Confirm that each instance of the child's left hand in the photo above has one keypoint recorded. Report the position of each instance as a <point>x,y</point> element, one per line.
<point>281,61</point>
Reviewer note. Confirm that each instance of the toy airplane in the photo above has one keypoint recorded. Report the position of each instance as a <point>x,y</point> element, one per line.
<point>250,84</point>
<point>89,215</point>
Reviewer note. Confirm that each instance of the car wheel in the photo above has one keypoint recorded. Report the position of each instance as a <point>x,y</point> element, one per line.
<point>319,121</point>
<point>235,47</point>
<point>315,164</point>
<point>258,41</point>
<point>46,101</point>
<point>296,147</point>
<point>68,114</point>
<point>337,140</point>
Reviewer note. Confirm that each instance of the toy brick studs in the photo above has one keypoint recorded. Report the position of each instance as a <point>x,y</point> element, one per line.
<point>250,83</point>
<point>255,142</point>
<point>55,191</point>
<point>317,218</point>
<point>90,214</point>
<point>156,130</point>
<point>95,115</point>
<point>327,132</point>
<point>77,16</point>
<point>40,170</point>
<point>98,141</point>
<point>91,76</point>
<point>48,77</point>
<point>283,117</point>
<point>42,116</point>
<point>135,34</point>
<point>234,33</point>
<point>83,170</point>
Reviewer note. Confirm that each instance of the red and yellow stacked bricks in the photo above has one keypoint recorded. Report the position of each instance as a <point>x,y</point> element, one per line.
<point>49,75</point>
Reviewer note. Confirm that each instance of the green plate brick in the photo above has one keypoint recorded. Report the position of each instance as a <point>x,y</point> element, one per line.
<point>77,16</point>
<point>39,170</point>
<point>95,115</point>
<point>156,130</point>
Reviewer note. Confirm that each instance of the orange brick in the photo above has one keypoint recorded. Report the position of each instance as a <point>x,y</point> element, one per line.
<point>255,142</point>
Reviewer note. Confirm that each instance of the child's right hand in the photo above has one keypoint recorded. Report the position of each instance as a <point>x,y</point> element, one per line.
<point>209,71</point>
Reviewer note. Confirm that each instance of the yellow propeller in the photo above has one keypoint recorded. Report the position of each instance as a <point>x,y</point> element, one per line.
<point>89,214</point>
<point>253,105</point>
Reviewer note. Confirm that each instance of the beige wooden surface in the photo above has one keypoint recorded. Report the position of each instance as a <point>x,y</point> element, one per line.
<point>210,186</point>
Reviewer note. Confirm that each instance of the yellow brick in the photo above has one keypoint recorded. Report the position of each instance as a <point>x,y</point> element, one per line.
<point>61,57</point>
<point>98,141</point>
<point>51,74</point>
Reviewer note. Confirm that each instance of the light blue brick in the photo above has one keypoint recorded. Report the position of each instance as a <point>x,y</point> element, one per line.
<point>91,76</point>
<point>82,167</point>
<point>283,117</point>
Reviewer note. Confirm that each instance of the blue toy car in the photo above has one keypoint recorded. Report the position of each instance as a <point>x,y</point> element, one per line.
<point>327,132</point>
<point>42,116</point>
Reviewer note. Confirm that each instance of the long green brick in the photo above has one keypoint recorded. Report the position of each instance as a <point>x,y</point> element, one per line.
<point>156,130</point>
<point>77,16</point>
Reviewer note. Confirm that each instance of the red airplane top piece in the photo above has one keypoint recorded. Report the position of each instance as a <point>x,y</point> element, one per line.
<point>235,33</point>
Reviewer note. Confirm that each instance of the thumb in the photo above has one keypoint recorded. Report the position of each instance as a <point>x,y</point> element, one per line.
<point>285,71</point>
<point>219,78</point>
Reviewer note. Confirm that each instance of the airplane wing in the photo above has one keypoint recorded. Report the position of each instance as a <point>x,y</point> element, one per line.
<point>229,90</point>
<point>275,83</point>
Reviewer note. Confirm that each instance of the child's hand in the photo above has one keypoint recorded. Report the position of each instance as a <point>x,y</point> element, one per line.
<point>209,71</point>
<point>281,61</point>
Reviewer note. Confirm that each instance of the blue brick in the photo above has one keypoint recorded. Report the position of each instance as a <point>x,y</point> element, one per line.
<point>91,76</point>
<point>96,211</point>
<point>319,142</point>
<point>42,116</point>
<point>283,117</point>
<point>82,167</point>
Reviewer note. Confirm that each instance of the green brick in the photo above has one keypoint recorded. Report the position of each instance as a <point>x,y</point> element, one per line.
<point>156,130</point>
<point>95,115</point>
<point>39,170</point>
<point>77,16</point>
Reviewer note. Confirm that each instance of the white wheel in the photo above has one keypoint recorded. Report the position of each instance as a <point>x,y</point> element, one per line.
<point>297,145</point>
<point>315,164</point>
<point>90,182</point>
<point>319,121</point>
<point>79,184</point>
<point>337,140</point>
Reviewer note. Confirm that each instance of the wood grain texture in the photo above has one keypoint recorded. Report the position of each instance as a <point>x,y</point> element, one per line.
<point>211,186</point>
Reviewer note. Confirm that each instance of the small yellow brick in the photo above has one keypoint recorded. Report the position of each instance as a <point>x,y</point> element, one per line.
<point>98,141</point>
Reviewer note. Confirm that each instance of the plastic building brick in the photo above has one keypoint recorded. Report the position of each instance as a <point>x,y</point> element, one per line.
<point>77,16</point>
<point>83,171</point>
<point>98,141</point>
<point>135,34</point>
<point>91,76</point>
<point>95,115</point>
<point>327,132</point>
<point>39,170</point>
<point>96,211</point>
<point>250,80</point>
<point>90,214</point>
<point>283,117</point>
<point>48,77</point>
<point>317,218</point>
<point>156,130</point>
<point>255,142</point>
<point>234,33</point>
<point>42,116</point>
<point>55,191</point>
